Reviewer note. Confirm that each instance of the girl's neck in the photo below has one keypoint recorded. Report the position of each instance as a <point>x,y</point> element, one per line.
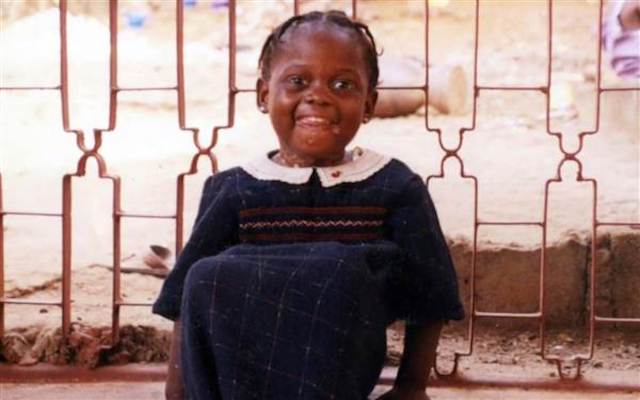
<point>295,161</point>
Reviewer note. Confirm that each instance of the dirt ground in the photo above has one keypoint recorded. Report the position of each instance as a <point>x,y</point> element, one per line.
<point>508,151</point>
<point>154,391</point>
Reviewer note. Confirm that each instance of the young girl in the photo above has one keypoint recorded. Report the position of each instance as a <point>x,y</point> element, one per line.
<point>300,259</point>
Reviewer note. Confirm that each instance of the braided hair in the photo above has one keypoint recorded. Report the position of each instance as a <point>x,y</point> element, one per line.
<point>333,17</point>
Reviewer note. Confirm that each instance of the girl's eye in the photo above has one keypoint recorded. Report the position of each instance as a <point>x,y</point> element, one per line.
<point>296,80</point>
<point>342,84</point>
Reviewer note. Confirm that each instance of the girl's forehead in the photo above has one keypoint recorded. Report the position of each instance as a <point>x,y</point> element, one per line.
<point>332,42</point>
<point>318,32</point>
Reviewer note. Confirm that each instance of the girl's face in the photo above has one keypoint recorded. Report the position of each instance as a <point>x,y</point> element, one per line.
<point>317,94</point>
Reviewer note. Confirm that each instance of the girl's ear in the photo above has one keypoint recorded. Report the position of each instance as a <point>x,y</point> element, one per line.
<point>370,106</point>
<point>262,95</point>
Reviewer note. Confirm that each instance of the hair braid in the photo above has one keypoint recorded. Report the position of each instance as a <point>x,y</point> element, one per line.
<point>332,17</point>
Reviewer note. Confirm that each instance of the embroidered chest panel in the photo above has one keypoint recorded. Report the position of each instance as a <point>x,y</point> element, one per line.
<point>293,224</point>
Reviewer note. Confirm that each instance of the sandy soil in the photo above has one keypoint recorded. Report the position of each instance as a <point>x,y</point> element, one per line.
<point>154,391</point>
<point>509,151</point>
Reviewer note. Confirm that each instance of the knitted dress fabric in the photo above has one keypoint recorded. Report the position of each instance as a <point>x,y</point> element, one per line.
<point>284,290</point>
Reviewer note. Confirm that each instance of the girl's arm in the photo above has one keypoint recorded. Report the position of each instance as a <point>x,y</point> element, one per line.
<point>174,389</point>
<point>418,357</point>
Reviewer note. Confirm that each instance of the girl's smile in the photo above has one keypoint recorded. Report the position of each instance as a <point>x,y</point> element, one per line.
<point>317,94</point>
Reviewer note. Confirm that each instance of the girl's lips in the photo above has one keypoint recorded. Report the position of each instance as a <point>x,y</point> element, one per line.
<point>313,121</point>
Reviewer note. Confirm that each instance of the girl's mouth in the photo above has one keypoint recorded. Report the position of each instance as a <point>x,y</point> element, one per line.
<point>313,122</point>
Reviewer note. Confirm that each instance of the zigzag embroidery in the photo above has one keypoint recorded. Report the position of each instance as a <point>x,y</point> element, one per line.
<point>307,223</point>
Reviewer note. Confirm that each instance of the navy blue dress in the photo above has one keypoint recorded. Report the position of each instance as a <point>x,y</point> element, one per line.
<point>284,290</point>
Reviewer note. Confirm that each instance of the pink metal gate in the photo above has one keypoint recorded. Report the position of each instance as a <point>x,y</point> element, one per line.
<point>206,151</point>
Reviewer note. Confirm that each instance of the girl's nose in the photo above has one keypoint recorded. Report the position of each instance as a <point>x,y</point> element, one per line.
<point>316,94</point>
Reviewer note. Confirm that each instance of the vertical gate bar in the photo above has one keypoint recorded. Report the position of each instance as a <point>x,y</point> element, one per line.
<point>594,217</point>
<point>113,62</point>
<point>179,214</point>
<point>116,210</point>
<point>476,222</point>
<point>592,267</point>
<point>594,206</point>
<point>476,91</point>
<point>232,89</point>
<point>426,61</point>
<point>181,121</point>
<point>180,62</point>
<point>541,283</point>
<point>64,83</point>
<point>232,57</point>
<point>1,262</point>
<point>354,9</point>
<point>66,183</point>
<point>117,238</point>
<point>66,254</point>
<point>296,7</point>
<point>543,268</point>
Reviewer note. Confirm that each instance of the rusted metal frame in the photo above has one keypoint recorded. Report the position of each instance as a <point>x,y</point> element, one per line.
<point>508,223</point>
<point>4,300</point>
<point>616,320</point>
<point>232,90</point>
<point>134,304</point>
<point>542,89</point>
<point>453,153</point>
<point>470,379</point>
<point>32,214</point>
<point>491,314</point>
<point>63,88</point>
<point>181,122</point>
<point>2,303</point>
<point>540,315</point>
<point>117,213</point>
<point>542,269</point>
<point>145,216</point>
<point>620,89</point>
<point>195,132</point>
<point>31,302</point>
<point>157,372</point>
<point>595,318</point>
<point>18,88</point>
<point>415,87</point>
<point>477,223</point>
<point>629,224</point>
<point>146,89</point>
<point>201,150</point>
<point>180,87</point>
<point>578,359</point>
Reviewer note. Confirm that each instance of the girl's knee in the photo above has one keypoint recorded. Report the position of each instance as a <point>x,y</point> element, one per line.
<point>200,277</point>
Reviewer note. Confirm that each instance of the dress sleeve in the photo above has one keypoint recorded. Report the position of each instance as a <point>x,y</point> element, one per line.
<point>215,229</point>
<point>427,287</point>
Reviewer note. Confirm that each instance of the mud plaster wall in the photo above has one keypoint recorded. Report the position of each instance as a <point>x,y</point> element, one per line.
<point>508,279</point>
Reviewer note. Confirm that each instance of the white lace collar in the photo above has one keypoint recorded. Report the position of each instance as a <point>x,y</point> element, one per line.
<point>364,164</point>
